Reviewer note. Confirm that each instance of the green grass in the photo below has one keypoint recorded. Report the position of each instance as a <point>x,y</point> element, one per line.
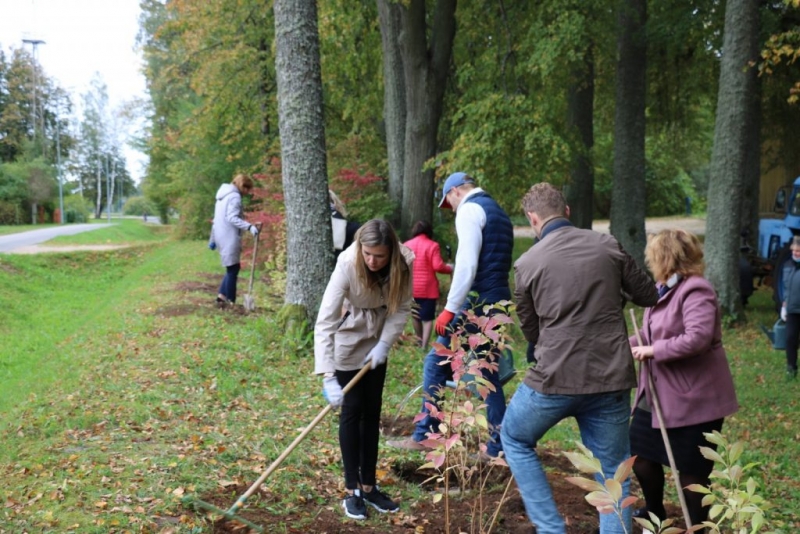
<point>120,231</point>
<point>15,229</point>
<point>124,389</point>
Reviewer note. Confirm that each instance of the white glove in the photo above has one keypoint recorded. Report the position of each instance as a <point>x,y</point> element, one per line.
<point>332,391</point>
<point>783,313</point>
<point>253,230</point>
<point>378,354</point>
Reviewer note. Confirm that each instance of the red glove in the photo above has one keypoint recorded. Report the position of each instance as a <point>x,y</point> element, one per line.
<point>443,321</point>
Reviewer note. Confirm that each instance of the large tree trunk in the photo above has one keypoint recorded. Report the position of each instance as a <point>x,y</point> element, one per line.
<point>309,246</point>
<point>425,76</point>
<point>729,160</point>
<point>628,191</point>
<point>580,120</point>
<point>394,99</point>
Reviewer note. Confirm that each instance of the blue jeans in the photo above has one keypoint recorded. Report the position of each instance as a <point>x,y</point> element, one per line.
<point>228,286</point>
<point>603,420</point>
<point>435,376</point>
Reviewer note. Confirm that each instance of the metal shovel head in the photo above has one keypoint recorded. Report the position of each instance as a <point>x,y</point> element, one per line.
<point>249,303</point>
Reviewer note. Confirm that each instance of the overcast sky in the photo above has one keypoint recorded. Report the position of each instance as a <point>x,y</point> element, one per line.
<point>82,37</point>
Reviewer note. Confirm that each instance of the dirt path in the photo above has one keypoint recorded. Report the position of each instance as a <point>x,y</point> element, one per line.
<point>695,225</point>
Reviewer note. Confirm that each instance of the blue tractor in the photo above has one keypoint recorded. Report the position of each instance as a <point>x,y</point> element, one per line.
<point>775,235</point>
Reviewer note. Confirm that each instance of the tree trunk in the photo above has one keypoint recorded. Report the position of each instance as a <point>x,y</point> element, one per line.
<point>580,120</point>
<point>752,173</point>
<point>309,246</point>
<point>425,76</point>
<point>98,210</point>
<point>729,161</point>
<point>628,190</point>
<point>394,99</point>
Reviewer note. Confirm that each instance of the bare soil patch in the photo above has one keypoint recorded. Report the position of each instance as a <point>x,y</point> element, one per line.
<point>324,515</point>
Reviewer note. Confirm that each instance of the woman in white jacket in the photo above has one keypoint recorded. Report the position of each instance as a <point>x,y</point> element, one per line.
<point>226,233</point>
<point>363,311</point>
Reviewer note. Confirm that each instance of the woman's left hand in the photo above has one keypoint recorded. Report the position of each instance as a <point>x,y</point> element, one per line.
<point>378,355</point>
<point>642,353</point>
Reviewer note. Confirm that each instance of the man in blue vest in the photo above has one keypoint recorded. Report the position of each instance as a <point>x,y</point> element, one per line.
<point>483,262</point>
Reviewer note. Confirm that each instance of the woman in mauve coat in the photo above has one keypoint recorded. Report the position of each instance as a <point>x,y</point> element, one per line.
<point>428,261</point>
<point>682,349</point>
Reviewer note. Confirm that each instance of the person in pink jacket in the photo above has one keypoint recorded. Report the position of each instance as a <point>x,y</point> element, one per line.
<point>428,262</point>
<point>682,349</point>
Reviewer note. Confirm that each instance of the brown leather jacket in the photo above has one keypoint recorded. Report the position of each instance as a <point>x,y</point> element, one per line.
<point>569,295</point>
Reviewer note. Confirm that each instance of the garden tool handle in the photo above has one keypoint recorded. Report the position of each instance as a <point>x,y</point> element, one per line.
<point>364,370</point>
<point>661,427</point>
<point>253,266</point>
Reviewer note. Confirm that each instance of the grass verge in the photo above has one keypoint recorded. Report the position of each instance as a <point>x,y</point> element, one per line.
<point>127,390</point>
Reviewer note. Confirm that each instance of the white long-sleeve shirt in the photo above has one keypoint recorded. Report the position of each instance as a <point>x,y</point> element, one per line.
<point>470,221</point>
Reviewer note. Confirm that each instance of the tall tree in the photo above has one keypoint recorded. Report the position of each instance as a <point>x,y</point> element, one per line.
<point>628,193</point>
<point>426,62</point>
<point>729,157</point>
<point>300,119</point>
<point>580,118</point>
<point>394,98</point>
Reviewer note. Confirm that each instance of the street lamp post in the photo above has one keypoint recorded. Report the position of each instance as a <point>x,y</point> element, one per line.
<point>35,47</point>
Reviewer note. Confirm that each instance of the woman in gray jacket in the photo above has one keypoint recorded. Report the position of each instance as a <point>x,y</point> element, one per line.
<point>363,311</point>
<point>226,233</point>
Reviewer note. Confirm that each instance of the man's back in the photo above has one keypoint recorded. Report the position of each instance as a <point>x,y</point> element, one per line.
<point>569,300</point>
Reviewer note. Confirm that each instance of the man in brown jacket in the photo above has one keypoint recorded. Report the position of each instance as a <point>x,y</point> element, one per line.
<point>569,294</point>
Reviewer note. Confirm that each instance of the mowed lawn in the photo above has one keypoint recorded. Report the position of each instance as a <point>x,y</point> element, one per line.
<point>125,389</point>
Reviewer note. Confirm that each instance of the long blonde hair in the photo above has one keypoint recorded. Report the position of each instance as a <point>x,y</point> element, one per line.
<point>376,233</point>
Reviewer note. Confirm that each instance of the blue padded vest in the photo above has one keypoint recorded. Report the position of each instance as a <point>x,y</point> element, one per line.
<point>494,261</point>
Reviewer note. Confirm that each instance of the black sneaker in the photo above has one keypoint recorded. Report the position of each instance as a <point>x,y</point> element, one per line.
<point>354,506</point>
<point>380,501</point>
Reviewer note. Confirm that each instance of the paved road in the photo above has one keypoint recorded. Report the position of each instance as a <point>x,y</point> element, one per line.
<point>653,224</point>
<point>33,237</point>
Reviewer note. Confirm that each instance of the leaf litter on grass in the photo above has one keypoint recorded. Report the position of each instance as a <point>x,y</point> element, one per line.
<point>199,404</point>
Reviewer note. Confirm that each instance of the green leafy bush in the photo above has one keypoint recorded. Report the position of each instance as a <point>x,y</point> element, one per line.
<point>76,209</point>
<point>139,206</point>
<point>9,213</point>
<point>463,429</point>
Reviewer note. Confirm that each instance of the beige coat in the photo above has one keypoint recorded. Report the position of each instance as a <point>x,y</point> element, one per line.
<point>343,340</point>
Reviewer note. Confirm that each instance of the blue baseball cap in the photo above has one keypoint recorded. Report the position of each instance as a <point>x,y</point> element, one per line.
<point>454,180</point>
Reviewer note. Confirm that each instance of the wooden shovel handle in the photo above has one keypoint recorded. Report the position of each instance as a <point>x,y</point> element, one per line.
<point>664,436</point>
<point>364,370</point>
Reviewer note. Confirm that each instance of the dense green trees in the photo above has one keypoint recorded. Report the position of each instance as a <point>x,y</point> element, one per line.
<point>32,110</point>
<point>37,133</point>
<point>615,101</point>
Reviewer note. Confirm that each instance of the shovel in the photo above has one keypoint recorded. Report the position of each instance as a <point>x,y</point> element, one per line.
<point>230,513</point>
<point>249,300</point>
<point>657,406</point>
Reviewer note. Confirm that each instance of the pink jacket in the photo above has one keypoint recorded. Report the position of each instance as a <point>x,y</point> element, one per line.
<point>428,261</point>
<point>689,366</point>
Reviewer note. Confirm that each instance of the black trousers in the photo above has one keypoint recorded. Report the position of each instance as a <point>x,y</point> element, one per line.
<point>359,426</point>
<point>792,335</point>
